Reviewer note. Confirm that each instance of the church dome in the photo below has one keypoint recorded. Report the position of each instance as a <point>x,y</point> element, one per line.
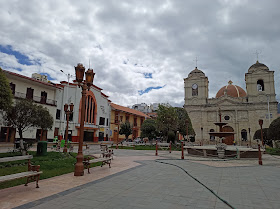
<point>196,72</point>
<point>231,90</point>
<point>258,66</point>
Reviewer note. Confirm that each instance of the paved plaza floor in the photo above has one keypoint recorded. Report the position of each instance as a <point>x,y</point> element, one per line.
<point>138,179</point>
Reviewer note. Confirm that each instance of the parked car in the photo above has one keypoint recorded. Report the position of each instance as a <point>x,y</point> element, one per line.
<point>138,140</point>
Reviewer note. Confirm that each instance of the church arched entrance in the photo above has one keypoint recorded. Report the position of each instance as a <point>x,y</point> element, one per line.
<point>229,139</point>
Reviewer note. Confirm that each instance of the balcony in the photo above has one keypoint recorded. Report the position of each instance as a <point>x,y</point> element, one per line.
<point>41,100</point>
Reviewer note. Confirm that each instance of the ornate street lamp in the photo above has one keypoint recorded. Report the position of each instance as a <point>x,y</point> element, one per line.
<point>85,85</point>
<point>68,113</point>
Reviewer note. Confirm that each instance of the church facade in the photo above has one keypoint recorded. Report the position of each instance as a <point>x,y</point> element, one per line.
<point>240,109</point>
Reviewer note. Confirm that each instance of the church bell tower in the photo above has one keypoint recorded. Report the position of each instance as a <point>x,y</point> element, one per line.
<point>260,84</point>
<point>196,88</point>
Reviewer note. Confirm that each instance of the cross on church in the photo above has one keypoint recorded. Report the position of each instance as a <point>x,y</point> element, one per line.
<point>257,54</point>
<point>196,61</point>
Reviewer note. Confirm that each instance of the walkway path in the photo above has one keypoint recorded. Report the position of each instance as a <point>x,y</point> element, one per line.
<point>149,184</point>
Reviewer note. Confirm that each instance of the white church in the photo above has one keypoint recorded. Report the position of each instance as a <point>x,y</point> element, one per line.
<point>240,108</point>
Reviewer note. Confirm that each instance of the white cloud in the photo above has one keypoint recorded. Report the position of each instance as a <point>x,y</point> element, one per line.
<point>162,36</point>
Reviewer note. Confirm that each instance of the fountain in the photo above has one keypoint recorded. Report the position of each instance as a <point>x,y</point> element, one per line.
<point>221,147</point>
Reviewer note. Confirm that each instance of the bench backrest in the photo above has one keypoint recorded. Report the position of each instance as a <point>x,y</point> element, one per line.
<point>10,159</point>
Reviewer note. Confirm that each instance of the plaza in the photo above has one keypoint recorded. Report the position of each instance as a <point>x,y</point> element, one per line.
<point>139,179</point>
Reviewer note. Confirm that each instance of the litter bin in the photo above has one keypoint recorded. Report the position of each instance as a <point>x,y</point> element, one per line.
<point>42,148</point>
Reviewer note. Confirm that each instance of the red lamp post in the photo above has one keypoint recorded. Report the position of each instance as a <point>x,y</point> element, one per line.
<point>182,147</point>
<point>67,112</point>
<point>261,123</point>
<point>156,149</point>
<point>85,85</point>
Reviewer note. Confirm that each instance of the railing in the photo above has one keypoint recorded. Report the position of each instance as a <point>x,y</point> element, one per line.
<point>41,100</point>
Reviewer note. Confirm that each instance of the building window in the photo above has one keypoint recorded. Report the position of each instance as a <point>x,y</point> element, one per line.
<point>116,117</point>
<point>260,85</point>
<point>102,121</point>
<point>194,89</point>
<point>212,138</point>
<point>244,135</point>
<point>13,88</point>
<point>227,117</point>
<point>29,93</point>
<point>121,118</point>
<point>127,118</point>
<point>142,120</point>
<point>135,122</point>
<point>107,122</point>
<point>90,110</point>
<point>57,114</point>
<point>71,116</point>
<point>44,97</point>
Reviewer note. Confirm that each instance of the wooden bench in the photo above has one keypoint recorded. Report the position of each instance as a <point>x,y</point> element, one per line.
<point>105,152</point>
<point>33,173</point>
<point>87,161</point>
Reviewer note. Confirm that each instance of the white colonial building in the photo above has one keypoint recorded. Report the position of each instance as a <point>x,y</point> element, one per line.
<point>240,109</point>
<point>43,93</point>
<point>53,97</point>
<point>97,115</point>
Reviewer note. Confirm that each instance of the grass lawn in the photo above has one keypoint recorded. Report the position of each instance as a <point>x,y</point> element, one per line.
<point>273,151</point>
<point>53,164</point>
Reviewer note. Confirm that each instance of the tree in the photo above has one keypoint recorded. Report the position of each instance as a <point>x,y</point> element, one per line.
<point>5,92</point>
<point>43,113</point>
<point>183,117</point>
<point>167,119</point>
<point>25,114</point>
<point>125,129</point>
<point>266,139</point>
<point>148,129</point>
<point>274,129</point>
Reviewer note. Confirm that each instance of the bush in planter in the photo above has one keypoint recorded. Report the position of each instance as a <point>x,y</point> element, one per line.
<point>171,136</point>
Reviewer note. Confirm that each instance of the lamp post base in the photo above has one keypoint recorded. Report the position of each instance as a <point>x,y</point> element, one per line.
<point>79,169</point>
<point>79,166</point>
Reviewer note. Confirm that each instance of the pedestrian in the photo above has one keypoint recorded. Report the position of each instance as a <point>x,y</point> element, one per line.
<point>234,142</point>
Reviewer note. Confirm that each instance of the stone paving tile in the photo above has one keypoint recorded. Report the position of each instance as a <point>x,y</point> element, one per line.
<point>156,185</point>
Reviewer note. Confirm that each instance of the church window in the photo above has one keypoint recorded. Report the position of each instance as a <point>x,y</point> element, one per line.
<point>227,117</point>
<point>260,85</point>
<point>244,135</point>
<point>194,89</point>
<point>212,138</point>
<point>90,110</point>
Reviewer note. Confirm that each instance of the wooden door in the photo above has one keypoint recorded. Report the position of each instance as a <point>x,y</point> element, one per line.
<point>29,93</point>
<point>115,136</point>
<point>229,139</point>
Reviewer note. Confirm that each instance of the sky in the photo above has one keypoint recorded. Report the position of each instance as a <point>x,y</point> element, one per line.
<point>141,50</point>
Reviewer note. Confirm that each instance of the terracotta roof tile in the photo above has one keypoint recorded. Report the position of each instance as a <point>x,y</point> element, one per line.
<point>128,110</point>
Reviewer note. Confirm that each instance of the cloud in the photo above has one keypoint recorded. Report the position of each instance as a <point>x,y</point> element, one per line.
<point>134,45</point>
